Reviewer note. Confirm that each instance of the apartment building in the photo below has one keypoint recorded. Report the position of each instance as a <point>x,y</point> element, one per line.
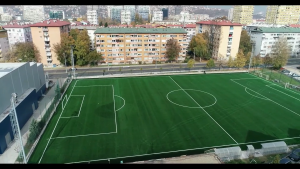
<point>44,35</point>
<point>131,45</point>
<point>92,16</point>
<point>265,38</point>
<point>225,36</point>
<point>18,32</point>
<point>283,14</point>
<point>191,31</point>
<point>34,13</point>
<point>90,29</point>
<point>132,10</point>
<point>253,26</point>
<point>57,14</point>
<point>230,14</point>
<point>6,17</point>
<point>114,12</point>
<point>4,45</point>
<point>1,10</point>
<point>143,11</point>
<point>157,16</point>
<point>125,17</point>
<point>243,14</point>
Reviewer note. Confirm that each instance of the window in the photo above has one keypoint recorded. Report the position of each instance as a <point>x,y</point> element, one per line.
<point>102,41</point>
<point>231,27</point>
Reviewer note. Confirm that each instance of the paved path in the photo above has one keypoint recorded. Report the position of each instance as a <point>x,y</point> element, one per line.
<point>10,155</point>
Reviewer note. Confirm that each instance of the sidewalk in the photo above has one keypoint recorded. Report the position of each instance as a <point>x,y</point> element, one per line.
<point>10,155</point>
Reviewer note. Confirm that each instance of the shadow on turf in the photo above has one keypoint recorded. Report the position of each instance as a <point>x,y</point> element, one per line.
<point>105,111</point>
<point>253,136</point>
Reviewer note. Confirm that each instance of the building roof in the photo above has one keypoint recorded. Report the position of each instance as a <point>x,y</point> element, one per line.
<point>16,25</point>
<point>295,25</point>
<point>139,30</point>
<point>5,68</point>
<point>221,23</point>
<point>277,30</point>
<point>190,26</point>
<point>50,23</point>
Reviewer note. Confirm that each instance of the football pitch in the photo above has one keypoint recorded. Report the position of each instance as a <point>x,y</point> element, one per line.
<point>130,119</point>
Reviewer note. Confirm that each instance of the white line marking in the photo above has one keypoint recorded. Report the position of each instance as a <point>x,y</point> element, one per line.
<point>83,135</point>
<point>68,117</point>
<point>93,86</point>
<point>81,106</point>
<point>275,84</point>
<point>78,95</point>
<point>56,125</point>
<point>282,92</point>
<point>267,98</point>
<point>189,106</point>
<point>115,108</point>
<point>205,112</point>
<point>187,150</point>
<point>254,95</point>
<point>243,78</point>
<point>123,104</point>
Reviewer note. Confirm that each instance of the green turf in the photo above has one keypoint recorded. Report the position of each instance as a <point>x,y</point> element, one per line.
<point>160,120</point>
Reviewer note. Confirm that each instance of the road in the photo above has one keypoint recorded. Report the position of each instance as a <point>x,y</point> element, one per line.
<point>55,73</point>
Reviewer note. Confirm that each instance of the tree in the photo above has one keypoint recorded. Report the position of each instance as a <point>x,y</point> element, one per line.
<point>74,19</point>
<point>198,44</point>
<point>222,18</point>
<point>63,49</point>
<point>101,24</point>
<point>276,159</point>
<point>66,20</point>
<point>190,63</point>
<point>248,57</point>
<point>82,48</point>
<point>94,57</point>
<point>10,56</point>
<point>267,60</point>
<point>26,52</point>
<point>280,53</point>
<point>245,44</point>
<point>210,63</point>
<point>149,18</point>
<point>172,49</point>
<point>256,61</point>
<point>34,130</point>
<point>133,24</point>
<point>105,25</point>
<point>240,60</point>
<point>230,62</point>
<point>74,33</point>
<point>221,61</point>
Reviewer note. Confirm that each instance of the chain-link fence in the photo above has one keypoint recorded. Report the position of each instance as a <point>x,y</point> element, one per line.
<point>45,112</point>
<point>279,77</point>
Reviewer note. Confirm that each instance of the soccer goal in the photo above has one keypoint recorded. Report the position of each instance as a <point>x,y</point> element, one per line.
<point>64,101</point>
<point>264,76</point>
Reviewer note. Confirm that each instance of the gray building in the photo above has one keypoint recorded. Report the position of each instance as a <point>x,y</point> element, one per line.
<point>27,79</point>
<point>34,13</point>
<point>144,11</point>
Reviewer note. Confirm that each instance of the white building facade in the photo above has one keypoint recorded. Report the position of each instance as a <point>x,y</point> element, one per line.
<point>6,17</point>
<point>125,17</point>
<point>230,14</point>
<point>265,39</point>
<point>34,13</point>
<point>18,32</point>
<point>157,16</point>
<point>92,16</point>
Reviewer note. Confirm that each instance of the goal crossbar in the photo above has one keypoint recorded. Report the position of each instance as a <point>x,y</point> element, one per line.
<point>62,103</point>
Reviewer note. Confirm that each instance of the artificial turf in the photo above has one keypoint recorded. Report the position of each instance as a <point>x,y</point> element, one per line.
<point>152,117</point>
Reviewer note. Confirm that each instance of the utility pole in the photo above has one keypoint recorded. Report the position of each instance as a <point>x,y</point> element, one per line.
<point>252,44</point>
<point>194,53</point>
<point>73,68</point>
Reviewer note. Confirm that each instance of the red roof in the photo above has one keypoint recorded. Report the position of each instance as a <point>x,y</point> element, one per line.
<point>174,25</point>
<point>221,23</point>
<point>292,25</point>
<point>16,25</point>
<point>190,26</point>
<point>50,23</point>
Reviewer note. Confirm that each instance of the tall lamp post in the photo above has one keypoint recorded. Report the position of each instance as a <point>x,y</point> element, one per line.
<point>252,53</point>
<point>72,56</point>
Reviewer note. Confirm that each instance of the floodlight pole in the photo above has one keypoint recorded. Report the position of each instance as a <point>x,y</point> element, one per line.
<point>14,113</point>
<point>73,69</point>
<point>252,44</point>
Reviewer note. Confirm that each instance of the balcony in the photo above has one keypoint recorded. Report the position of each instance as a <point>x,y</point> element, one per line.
<point>48,54</point>
<point>46,34</point>
<point>47,39</point>
<point>49,59</point>
<point>45,29</point>
<point>229,43</point>
<point>47,45</point>
<point>47,49</point>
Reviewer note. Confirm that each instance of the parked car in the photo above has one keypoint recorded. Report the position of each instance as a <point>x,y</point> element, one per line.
<point>72,68</point>
<point>295,75</point>
<point>285,161</point>
<point>295,155</point>
<point>285,71</point>
<point>298,67</point>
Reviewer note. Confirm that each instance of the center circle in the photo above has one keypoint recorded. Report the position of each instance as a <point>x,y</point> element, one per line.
<point>193,98</point>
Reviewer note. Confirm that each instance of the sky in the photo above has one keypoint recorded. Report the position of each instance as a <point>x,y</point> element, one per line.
<point>257,8</point>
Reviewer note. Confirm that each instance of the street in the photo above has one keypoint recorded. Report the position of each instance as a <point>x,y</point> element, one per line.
<point>60,72</point>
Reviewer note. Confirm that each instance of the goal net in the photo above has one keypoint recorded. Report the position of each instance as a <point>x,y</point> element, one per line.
<point>264,76</point>
<point>64,101</point>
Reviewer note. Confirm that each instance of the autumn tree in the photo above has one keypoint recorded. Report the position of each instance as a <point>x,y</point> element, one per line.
<point>222,18</point>
<point>190,63</point>
<point>210,63</point>
<point>63,48</point>
<point>248,57</point>
<point>172,49</point>
<point>198,45</point>
<point>82,48</point>
<point>280,53</point>
<point>245,42</point>
<point>221,61</point>
<point>240,60</point>
<point>230,62</point>
<point>94,57</point>
<point>10,56</point>
<point>267,61</point>
<point>26,52</point>
<point>74,33</point>
<point>256,61</point>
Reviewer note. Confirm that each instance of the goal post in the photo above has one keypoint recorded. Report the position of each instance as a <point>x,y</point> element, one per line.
<point>286,85</point>
<point>62,103</point>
